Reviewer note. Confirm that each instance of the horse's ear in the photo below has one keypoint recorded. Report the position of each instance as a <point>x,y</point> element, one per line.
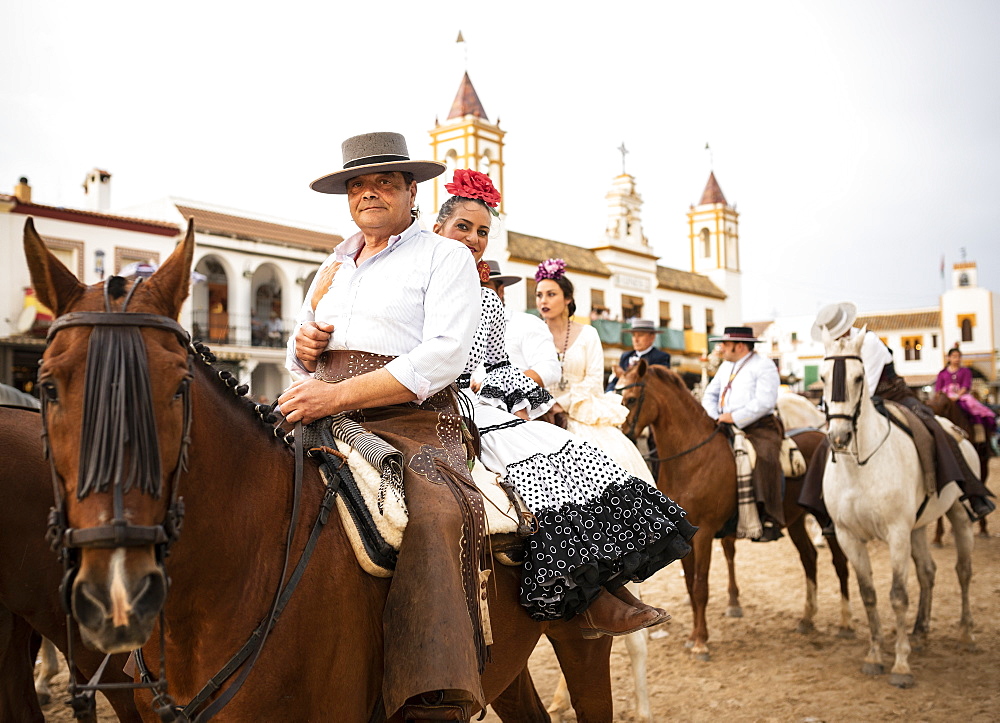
<point>826,337</point>
<point>859,341</point>
<point>172,281</point>
<point>640,368</point>
<point>55,285</point>
<point>617,372</point>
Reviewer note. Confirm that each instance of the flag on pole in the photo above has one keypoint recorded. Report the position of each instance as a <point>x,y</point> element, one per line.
<point>942,267</point>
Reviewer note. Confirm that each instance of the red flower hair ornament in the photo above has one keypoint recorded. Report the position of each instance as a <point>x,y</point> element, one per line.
<point>474,185</point>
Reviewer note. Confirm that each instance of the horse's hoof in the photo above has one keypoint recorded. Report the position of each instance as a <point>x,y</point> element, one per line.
<point>688,644</point>
<point>873,669</point>
<point>902,680</point>
<point>804,627</point>
<point>44,699</point>
<point>734,611</point>
<point>917,644</point>
<point>702,657</point>
<point>845,633</point>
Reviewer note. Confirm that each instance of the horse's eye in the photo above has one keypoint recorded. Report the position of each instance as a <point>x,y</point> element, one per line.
<point>857,379</point>
<point>628,402</point>
<point>182,388</point>
<point>49,392</point>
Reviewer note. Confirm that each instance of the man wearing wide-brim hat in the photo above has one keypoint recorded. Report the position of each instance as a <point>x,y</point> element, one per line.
<point>390,317</point>
<point>643,333</point>
<point>744,392</point>
<point>883,382</point>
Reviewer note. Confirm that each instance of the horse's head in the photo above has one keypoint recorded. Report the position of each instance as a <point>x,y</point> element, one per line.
<point>641,402</point>
<point>114,387</point>
<point>844,387</point>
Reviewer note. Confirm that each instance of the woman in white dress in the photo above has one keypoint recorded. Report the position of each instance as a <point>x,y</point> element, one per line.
<point>593,414</point>
<point>598,525</point>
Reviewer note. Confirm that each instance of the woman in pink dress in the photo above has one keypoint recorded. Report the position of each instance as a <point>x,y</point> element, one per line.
<point>956,381</point>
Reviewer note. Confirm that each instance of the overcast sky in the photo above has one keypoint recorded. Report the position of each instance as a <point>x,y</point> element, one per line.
<point>859,140</point>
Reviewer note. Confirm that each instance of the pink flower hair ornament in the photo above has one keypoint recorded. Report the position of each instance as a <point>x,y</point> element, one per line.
<point>550,269</point>
<point>474,185</point>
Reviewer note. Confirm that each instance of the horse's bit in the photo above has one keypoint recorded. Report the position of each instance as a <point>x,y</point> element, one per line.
<point>838,394</point>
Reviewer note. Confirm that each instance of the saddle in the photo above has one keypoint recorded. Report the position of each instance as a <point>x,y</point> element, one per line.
<point>375,521</point>
<point>793,462</point>
<point>904,418</point>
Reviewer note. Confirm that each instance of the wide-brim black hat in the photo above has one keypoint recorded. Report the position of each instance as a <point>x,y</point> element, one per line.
<point>737,333</point>
<point>375,153</point>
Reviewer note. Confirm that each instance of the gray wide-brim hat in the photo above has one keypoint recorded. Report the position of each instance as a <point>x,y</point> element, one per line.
<point>642,325</point>
<point>375,153</point>
<point>495,274</point>
<point>835,318</point>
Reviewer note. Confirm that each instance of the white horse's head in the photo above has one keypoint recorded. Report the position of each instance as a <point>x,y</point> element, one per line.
<point>844,387</point>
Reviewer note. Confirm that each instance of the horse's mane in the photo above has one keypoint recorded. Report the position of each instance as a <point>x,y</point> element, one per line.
<point>672,378</point>
<point>224,380</point>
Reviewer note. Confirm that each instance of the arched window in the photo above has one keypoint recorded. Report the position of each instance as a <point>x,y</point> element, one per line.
<point>966,329</point>
<point>706,243</point>
<point>963,280</point>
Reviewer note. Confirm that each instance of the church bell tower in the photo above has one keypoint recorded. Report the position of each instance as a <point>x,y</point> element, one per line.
<point>467,139</point>
<point>714,235</point>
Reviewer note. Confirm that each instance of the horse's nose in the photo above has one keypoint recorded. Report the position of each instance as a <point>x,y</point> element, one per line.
<point>90,606</point>
<point>95,605</point>
<point>840,440</point>
<point>151,595</point>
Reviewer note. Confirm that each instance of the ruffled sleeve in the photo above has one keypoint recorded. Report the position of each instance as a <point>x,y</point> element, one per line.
<point>504,386</point>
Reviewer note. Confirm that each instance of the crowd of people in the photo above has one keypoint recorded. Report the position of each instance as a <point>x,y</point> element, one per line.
<point>411,326</point>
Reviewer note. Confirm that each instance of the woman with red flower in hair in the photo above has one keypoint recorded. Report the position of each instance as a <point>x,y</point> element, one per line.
<point>598,526</point>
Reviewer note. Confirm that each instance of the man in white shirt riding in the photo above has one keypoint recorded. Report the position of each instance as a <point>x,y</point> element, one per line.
<point>744,392</point>
<point>390,318</point>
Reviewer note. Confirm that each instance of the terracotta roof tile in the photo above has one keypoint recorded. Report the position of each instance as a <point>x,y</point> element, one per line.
<point>712,193</point>
<point>223,224</point>
<point>95,218</point>
<point>900,321</point>
<point>533,249</point>
<point>467,101</point>
<point>678,280</point>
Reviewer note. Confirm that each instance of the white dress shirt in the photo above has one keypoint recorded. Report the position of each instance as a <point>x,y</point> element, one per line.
<point>417,299</point>
<point>530,346</point>
<point>752,395</point>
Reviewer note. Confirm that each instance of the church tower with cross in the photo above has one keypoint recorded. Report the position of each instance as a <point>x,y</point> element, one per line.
<point>467,139</point>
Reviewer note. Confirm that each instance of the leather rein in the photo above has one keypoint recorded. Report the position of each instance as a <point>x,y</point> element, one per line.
<point>838,394</point>
<point>638,408</point>
<point>67,542</point>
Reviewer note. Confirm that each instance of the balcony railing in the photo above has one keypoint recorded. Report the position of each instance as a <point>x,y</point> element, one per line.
<point>238,329</point>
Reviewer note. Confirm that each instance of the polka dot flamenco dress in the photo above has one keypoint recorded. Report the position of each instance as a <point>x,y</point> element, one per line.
<point>598,525</point>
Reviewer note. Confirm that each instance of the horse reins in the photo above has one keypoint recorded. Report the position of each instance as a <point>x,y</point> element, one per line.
<point>838,393</point>
<point>638,408</point>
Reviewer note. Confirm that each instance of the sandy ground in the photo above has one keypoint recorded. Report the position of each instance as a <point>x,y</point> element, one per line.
<point>761,670</point>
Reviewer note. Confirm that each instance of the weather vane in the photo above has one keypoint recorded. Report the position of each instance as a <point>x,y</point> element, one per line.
<point>711,158</point>
<point>624,151</point>
<point>465,49</point>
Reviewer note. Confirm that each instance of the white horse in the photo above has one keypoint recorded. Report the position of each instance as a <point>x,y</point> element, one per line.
<point>48,668</point>
<point>797,412</point>
<point>874,489</point>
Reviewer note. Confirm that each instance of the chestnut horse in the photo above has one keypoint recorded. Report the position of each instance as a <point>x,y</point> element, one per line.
<point>30,575</point>
<point>698,471</point>
<point>227,565</point>
<point>945,406</point>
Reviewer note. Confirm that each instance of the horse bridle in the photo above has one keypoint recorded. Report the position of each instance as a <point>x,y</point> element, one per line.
<point>837,394</point>
<point>638,408</point>
<point>67,541</point>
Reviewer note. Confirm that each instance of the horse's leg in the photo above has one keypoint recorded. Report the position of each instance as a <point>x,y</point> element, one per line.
<point>926,570</point>
<point>839,559</point>
<point>560,700</point>
<point>696,574</point>
<point>857,553</point>
<point>807,554</point>
<point>962,530</point>
<point>47,669</point>
<point>18,702</point>
<point>637,653</point>
<point>734,609</point>
<point>900,549</point>
<point>587,666</point>
<point>520,702</point>
<point>939,533</point>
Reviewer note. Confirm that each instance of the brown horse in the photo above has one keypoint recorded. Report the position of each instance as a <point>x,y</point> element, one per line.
<point>945,406</point>
<point>30,576</point>
<point>225,568</point>
<point>698,471</point>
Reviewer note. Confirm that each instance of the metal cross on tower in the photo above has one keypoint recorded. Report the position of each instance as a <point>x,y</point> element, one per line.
<point>624,151</point>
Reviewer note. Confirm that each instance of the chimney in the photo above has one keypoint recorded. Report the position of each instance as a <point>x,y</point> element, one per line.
<point>97,186</point>
<point>22,191</point>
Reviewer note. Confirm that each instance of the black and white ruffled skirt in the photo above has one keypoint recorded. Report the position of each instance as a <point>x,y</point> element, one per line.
<point>598,525</point>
